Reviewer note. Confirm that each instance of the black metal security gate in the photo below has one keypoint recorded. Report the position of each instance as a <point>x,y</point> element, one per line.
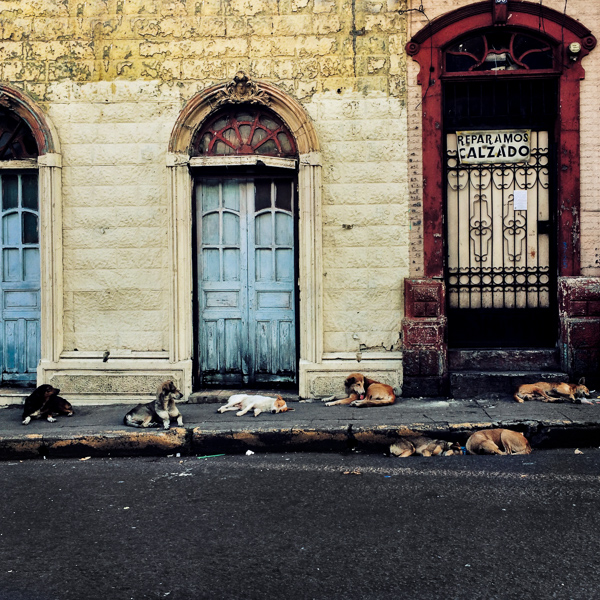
<point>500,225</point>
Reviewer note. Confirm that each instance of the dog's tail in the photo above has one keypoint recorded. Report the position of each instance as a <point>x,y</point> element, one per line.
<point>517,397</point>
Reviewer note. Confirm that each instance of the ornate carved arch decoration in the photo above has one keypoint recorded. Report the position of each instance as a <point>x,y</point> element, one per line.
<point>427,48</point>
<point>242,91</point>
<point>43,132</point>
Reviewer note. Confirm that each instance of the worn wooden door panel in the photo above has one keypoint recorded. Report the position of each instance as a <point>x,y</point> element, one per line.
<point>20,293</point>
<point>271,290</point>
<point>222,280</point>
<point>246,281</point>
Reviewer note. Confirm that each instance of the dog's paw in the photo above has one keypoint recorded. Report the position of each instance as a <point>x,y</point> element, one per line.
<point>51,419</point>
<point>329,403</point>
<point>26,420</point>
<point>358,403</point>
<point>328,399</point>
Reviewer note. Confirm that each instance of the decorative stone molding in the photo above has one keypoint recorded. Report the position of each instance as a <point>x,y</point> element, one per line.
<point>89,380</point>
<point>242,90</point>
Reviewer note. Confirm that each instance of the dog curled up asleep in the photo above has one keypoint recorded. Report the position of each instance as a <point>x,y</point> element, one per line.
<point>424,446</point>
<point>362,391</point>
<point>245,402</point>
<point>45,403</point>
<point>498,441</point>
<point>553,392</point>
<point>158,412</point>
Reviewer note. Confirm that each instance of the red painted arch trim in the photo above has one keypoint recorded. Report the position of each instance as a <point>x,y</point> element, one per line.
<point>541,13</point>
<point>27,109</point>
<point>526,16</point>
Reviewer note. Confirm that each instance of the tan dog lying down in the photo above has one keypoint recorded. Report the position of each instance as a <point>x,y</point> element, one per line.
<point>244,402</point>
<point>424,446</point>
<point>498,441</point>
<point>362,391</point>
<point>553,392</point>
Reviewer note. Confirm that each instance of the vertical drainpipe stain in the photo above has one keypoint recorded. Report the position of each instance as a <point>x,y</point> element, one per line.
<point>354,36</point>
<point>355,33</point>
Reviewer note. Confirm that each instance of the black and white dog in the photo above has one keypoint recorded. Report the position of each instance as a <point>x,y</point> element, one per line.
<point>45,403</point>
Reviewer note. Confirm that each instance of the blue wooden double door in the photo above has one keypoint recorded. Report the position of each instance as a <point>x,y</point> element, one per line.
<point>20,288</point>
<point>246,280</point>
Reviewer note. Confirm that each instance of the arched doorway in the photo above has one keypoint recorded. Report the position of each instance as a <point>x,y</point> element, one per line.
<point>20,293</point>
<point>499,231</point>
<point>500,189</point>
<point>31,310</point>
<point>245,232</point>
<point>189,163</point>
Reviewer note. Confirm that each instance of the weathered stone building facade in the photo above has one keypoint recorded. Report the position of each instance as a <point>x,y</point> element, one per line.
<point>110,80</point>
<point>156,249</point>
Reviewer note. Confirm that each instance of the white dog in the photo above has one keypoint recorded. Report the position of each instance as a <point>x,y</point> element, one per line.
<point>244,402</point>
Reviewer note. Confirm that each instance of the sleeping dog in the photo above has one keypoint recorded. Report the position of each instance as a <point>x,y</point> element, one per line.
<point>498,441</point>
<point>45,403</point>
<point>245,402</point>
<point>159,411</point>
<point>423,446</point>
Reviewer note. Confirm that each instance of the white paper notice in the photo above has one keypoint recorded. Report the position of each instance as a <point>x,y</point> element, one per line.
<point>520,197</point>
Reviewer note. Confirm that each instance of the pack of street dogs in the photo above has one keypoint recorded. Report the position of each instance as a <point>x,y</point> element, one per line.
<point>45,403</point>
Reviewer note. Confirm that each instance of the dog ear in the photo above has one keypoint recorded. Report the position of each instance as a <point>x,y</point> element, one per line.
<point>581,381</point>
<point>349,381</point>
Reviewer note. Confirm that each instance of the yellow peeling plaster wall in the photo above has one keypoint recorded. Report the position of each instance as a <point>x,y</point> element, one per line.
<point>113,75</point>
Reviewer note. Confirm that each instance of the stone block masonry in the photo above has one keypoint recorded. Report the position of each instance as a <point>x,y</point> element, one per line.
<point>113,78</point>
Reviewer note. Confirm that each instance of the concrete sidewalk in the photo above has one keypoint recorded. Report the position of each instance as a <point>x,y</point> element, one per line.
<point>312,426</point>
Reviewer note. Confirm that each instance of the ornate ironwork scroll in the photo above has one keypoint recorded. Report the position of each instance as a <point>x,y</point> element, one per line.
<point>498,257</point>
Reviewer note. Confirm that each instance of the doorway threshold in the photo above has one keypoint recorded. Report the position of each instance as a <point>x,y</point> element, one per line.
<point>220,395</point>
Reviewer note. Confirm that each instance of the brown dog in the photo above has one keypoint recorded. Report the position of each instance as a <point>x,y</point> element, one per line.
<point>363,391</point>
<point>424,446</point>
<point>45,403</point>
<point>552,392</point>
<point>498,441</point>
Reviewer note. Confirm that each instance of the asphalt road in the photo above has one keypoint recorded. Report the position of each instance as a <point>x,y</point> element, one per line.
<point>299,526</point>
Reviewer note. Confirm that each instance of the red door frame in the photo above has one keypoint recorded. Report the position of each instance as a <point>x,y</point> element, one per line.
<point>426,48</point>
<point>425,349</point>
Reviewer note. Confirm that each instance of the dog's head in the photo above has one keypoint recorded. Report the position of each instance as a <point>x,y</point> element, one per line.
<point>167,390</point>
<point>46,391</point>
<point>580,390</point>
<point>280,406</point>
<point>355,384</point>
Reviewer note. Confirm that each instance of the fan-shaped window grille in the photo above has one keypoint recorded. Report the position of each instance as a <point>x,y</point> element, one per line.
<point>16,140</point>
<point>500,51</point>
<point>244,131</point>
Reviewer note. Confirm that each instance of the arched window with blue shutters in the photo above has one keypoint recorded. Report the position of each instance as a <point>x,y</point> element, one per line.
<point>20,265</point>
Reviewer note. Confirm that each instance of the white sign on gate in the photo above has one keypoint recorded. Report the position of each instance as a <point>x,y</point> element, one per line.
<point>497,146</point>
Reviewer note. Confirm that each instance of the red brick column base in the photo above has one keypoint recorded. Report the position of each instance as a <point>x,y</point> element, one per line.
<point>579,315</point>
<point>424,355</point>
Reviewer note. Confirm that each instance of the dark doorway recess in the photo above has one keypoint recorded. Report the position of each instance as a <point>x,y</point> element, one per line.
<point>500,255</point>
